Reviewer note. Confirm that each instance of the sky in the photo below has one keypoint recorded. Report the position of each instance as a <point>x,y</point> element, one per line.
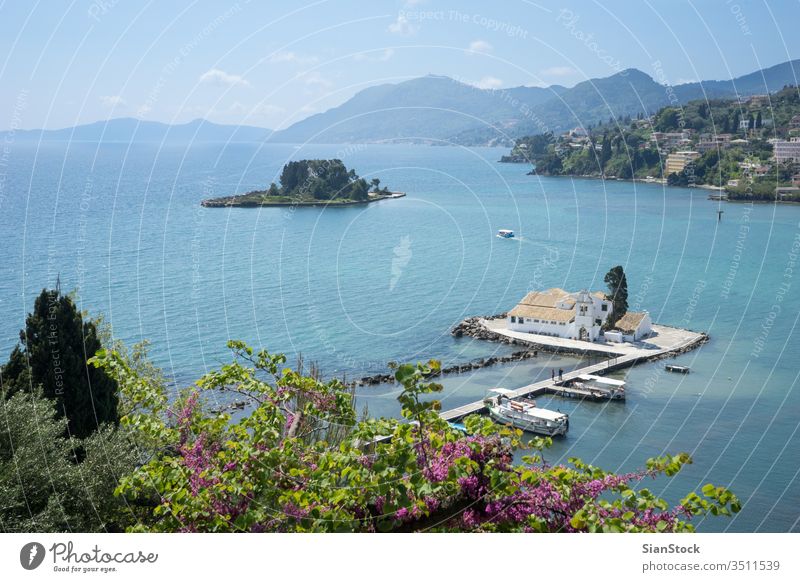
<point>269,64</point>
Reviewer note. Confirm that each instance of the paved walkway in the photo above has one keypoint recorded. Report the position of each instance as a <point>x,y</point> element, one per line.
<point>663,338</point>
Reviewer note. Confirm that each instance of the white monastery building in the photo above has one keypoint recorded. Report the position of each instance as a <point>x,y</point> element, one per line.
<point>578,316</point>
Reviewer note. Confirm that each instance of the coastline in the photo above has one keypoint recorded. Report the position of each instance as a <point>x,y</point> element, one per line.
<point>709,187</point>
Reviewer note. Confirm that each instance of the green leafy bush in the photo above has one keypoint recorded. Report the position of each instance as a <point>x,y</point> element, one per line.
<point>299,461</point>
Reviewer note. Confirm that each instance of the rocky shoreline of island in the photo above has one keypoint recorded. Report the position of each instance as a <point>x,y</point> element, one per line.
<point>241,202</point>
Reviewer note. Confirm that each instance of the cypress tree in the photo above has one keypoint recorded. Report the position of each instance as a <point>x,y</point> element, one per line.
<point>52,354</point>
<point>617,291</point>
<point>605,152</point>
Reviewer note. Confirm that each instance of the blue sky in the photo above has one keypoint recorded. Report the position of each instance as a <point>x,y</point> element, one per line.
<point>272,63</point>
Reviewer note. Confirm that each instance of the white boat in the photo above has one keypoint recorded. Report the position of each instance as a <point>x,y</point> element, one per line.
<point>505,233</point>
<point>606,388</point>
<point>524,414</point>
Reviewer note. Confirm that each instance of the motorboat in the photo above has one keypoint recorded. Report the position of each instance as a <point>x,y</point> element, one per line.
<point>524,414</point>
<point>505,233</point>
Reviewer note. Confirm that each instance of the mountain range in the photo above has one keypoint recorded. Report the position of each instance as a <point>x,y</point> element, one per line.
<point>440,110</point>
<point>129,129</point>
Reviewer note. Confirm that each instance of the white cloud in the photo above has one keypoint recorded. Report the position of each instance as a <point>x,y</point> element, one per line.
<point>558,71</point>
<point>489,83</point>
<point>372,57</point>
<point>112,101</point>
<point>402,26</point>
<point>221,78</point>
<point>479,46</point>
<point>315,78</point>
<point>291,57</point>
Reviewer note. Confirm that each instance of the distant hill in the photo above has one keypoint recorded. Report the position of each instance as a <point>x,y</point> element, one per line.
<point>127,129</point>
<point>767,80</point>
<point>595,100</point>
<point>434,108</point>
<point>424,109</point>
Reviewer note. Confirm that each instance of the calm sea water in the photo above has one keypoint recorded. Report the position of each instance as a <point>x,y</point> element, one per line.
<point>352,288</point>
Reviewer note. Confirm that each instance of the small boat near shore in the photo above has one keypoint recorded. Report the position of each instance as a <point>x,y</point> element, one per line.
<point>505,233</point>
<point>677,369</point>
<point>523,414</point>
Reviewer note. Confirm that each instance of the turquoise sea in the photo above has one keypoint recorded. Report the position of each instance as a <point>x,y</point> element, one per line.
<point>352,288</point>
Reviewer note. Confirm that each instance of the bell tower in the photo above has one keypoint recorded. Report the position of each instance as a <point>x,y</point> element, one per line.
<point>584,317</point>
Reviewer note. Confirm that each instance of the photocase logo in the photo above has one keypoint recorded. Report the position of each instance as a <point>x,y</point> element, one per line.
<point>402,255</point>
<point>31,555</point>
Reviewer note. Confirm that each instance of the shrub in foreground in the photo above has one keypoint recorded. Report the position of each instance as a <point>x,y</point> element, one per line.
<point>299,461</point>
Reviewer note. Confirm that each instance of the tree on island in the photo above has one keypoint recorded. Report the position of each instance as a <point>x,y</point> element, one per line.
<point>617,292</point>
<point>320,180</point>
<point>51,357</point>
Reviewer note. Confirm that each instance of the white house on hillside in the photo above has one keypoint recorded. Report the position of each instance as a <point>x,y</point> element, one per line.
<point>578,316</point>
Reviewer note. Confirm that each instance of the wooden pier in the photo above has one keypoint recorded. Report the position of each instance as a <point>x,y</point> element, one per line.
<point>688,341</point>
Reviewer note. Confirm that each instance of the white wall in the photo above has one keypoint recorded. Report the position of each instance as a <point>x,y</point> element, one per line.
<point>645,327</point>
<point>529,326</point>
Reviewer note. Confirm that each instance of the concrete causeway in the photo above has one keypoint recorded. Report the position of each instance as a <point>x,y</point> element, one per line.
<point>664,341</point>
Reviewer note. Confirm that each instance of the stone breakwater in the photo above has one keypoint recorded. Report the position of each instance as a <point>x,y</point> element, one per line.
<point>454,369</point>
<point>474,327</point>
<point>704,337</point>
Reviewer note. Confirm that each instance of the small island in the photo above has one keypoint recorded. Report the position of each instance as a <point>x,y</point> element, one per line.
<point>311,183</point>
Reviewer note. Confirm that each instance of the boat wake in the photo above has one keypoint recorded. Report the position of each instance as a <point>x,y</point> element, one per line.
<point>527,241</point>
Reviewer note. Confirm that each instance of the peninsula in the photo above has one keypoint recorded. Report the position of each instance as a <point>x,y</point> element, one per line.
<point>748,147</point>
<point>311,183</point>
